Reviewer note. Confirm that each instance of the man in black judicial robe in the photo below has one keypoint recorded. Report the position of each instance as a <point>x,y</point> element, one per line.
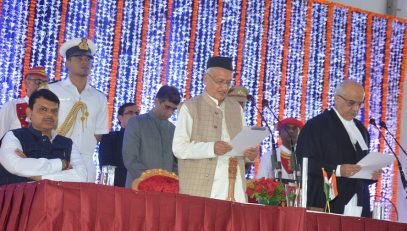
<point>335,140</point>
<point>110,148</point>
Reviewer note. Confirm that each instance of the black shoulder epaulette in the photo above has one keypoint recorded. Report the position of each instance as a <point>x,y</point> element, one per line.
<point>98,90</point>
<point>54,81</point>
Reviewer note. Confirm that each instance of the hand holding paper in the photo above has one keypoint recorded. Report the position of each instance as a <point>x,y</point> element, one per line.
<point>247,138</point>
<point>372,162</point>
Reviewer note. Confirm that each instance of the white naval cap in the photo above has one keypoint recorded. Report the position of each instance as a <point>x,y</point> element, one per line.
<point>78,47</point>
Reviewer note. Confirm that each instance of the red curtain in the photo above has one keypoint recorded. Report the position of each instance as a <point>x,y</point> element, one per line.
<point>48,205</point>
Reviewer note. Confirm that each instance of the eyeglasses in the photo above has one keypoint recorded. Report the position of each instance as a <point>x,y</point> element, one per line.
<point>37,81</point>
<point>352,103</point>
<point>220,83</point>
<point>132,113</point>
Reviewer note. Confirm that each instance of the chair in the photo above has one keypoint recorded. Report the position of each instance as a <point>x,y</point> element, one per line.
<point>156,180</point>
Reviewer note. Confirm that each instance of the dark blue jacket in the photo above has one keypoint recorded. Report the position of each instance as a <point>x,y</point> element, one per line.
<point>35,145</point>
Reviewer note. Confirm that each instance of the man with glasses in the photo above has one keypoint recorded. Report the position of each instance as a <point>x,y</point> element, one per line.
<point>204,128</point>
<point>12,114</point>
<point>336,141</point>
<point>83,109</point>
<point>147,142</point>
<point>110,148</point>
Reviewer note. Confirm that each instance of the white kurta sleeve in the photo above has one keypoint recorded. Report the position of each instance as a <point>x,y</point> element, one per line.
<point>5,113</point>
<point>182,145</point>
<point>265,166</point>
<point>76,174</point>
<point>25,167</point>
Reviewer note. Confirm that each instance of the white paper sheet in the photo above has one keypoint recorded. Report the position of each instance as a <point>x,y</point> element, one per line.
<point>247,138</point>
<point>371,162</point>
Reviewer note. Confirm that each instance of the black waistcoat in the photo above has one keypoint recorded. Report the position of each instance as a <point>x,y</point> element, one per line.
<point>35,145</point>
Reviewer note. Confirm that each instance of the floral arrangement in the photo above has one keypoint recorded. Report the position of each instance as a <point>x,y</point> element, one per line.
<point>159,184</point>
<point>267,191</point>
<point>157,180</point>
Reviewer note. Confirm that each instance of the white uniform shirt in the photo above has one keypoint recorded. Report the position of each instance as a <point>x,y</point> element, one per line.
<point>8,115</point>
<point>83,134</point>
<point>183,148</point>
<point>265,166</point>
<point>50,169</point>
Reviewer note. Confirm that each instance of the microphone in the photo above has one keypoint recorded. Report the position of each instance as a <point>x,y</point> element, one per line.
<point>402,176</point>
<point>276,165</point>
<point>383,125</point>
<point>296,166</point>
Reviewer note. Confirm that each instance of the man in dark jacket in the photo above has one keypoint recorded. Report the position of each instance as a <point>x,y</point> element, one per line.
<point>336,141</point>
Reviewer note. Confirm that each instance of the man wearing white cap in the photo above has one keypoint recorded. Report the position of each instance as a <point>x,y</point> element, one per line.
<point>83,109</point>
<point>12,114</point>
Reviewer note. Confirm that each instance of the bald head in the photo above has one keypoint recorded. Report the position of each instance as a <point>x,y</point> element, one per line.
<point>349,97</point>
<point>349,85</point>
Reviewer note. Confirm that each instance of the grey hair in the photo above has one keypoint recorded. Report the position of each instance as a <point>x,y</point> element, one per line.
<point>341,87</point>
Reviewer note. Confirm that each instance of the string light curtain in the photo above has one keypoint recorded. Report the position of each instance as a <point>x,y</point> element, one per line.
<point>291,52</point>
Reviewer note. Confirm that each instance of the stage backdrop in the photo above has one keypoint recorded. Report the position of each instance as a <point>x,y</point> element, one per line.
<point>292,53</point>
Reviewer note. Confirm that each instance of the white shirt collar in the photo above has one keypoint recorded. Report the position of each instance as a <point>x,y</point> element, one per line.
<point>353,131</point>
<point>68,82</point>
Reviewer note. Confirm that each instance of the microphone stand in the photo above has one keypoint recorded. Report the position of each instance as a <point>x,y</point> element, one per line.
<point>275,164</point>
<point>294,161</point>
<point>402,176</point>
<point>383,125</point>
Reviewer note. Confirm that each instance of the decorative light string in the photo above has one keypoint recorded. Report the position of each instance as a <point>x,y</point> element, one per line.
<point>191,49</point>
<point>61,39</point>
<point>12,51</point>
<point>203,46</point>
<point>104,37</point>
<point>251,54</point>
<point>292,53</point>
<point>316,60</point>
<point>181,27</point>
<point>230,28</point>
<point>240,42</point>
<point>166,42</point>
<point>357,57</point>
<point>365,110</point>
<point>395,61</point>
<point>377,61</point>
<point>399,111</point>
<point>154,45</point>
<point>295,59</point>
<point>130,43</point>
<point>337,56</point>
<point>272,70</point>
<point>307,42</point>
<point>29,43</point>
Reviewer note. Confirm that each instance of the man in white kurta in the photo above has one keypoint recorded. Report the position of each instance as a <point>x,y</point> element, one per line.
<point>218,81</point>
<point>89,120</point>
<point>12,114</point>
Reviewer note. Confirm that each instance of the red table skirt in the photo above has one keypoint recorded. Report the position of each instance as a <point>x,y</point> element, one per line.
<point>48,205</point>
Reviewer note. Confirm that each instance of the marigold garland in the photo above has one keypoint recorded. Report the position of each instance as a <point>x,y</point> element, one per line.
<point>29,40</point>
<point>194,22</point>
<point>61,37</point>
<point>368,68</point>
<point>285,60</point>
<point>142,52</point>
<point>91,32</point>
<point>166,42</point>
<point>327,57</point>
<point>116,48</point>
<point>240,43</point>
<point>218,28</point>
<point>307,43</point>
